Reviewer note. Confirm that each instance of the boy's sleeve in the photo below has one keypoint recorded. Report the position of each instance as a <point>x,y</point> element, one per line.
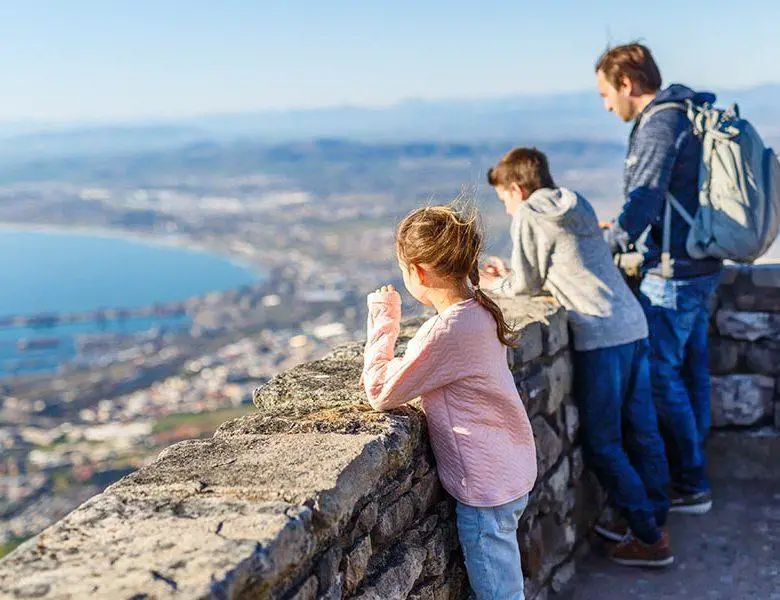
<point>391,382</point>
<point>528,265</point>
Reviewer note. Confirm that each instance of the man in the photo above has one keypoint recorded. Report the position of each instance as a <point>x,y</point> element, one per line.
<point>663,159</point>
<point>557,245</point>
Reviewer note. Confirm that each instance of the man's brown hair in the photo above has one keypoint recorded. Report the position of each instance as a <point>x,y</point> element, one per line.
<point>527,167</point>
<point>634,61</point>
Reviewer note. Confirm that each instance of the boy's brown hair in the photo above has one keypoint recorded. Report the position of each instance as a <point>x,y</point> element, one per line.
<point>634,61</point>
<point>527,167</point>
<point>448,240</point>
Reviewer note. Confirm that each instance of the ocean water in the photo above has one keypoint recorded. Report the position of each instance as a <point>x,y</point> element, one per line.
<point>53,272</point>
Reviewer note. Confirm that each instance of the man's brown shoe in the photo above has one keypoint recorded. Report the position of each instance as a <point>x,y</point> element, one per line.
<point>615,530</point>
<point>632,552</point>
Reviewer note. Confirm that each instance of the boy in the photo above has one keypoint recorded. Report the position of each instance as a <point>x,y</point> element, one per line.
<point>557,246</point>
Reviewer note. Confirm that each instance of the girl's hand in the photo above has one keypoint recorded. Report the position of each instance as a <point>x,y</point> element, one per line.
<point>385,289</point>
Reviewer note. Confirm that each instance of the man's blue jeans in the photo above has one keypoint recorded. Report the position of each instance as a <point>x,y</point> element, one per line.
<point>678,316</point>
<point>621,440</point>
<point>488,537</point>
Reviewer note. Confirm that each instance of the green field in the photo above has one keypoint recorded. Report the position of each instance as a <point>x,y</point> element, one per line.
<point>207,421</point>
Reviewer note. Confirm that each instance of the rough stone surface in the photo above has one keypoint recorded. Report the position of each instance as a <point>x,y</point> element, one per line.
<point>572,419</point>
<point>750,326</point>
<point>741,399</point>
<point>397,578</point>
<point>765,275</point>
<point>724,355</point>
<point>763,357</point>
<point>559,375</point>
<point>355,564</point>
<point>548,444</point>
<point>308,591</point>
<point>393,521</point>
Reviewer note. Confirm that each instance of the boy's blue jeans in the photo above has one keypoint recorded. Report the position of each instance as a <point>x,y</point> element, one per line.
<point>678,316</point>
<point>621,439</point>
<point>488,537</point>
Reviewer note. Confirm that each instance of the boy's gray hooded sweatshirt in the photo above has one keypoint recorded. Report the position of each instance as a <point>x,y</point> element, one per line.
<point>557,245</point>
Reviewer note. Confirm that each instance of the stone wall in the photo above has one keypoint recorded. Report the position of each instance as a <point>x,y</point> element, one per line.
<point>745,349</point>
<point>317,496</point>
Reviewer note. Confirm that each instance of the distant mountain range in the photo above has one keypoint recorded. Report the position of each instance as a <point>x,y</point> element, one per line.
<point>518,119</point>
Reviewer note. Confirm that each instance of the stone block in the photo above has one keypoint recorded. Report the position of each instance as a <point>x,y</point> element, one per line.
<point>766,275</point>
<point>548,445</point>
<point>741,400</point>
<point>724,355</point>
<point>572,420</point>
<point>763,357</point>
<point>755,299</point>
<point>559,375</point>
<point>426,492</point>
<point>534,388</point>
<point>529,344</point>
<point>750,326</point>
<point>556,333</point>
<point>440,547</point>
<point>355,564</point>
<point>335,591</point>
<point>547,545</point>
<point>730,274</point>
<point>365,521</point>
<point>562,576</point>
<point>398,577</point>
<point>560,479</point>
<point>394,520</point>
<point>307,591</point>
<point>328,569</point>
<point>577,465</point>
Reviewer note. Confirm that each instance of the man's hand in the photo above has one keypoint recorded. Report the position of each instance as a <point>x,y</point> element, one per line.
<point>385,289</point>
<point>606,225</point>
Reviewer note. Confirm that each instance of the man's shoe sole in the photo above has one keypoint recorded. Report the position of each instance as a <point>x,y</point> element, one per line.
<point>608,534</point>
<point>692,509</point>
<point>653,564</point>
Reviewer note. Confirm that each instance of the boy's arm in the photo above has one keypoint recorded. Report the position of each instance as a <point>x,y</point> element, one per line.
<point>528,265</point>
<point>391,382</point>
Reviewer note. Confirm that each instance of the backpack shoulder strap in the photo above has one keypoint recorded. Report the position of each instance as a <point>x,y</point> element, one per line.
<point>667,270</point>
<point>659,108</point>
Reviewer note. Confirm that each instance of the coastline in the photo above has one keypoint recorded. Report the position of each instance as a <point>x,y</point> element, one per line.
<point>161,240</point>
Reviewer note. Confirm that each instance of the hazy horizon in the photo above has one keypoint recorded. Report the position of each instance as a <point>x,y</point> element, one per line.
<point>93,61</point>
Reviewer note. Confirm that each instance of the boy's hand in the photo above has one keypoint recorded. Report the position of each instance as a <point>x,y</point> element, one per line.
<point>486,279</point>
<point>495,267</point>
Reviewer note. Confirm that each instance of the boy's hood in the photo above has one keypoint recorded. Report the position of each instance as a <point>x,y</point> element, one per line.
<point>563,207</point>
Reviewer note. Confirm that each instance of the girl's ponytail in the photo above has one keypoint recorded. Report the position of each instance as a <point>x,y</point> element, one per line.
<point>505,333</point>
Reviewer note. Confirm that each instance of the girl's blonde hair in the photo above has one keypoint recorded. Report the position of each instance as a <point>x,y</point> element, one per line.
<point>448,240</point>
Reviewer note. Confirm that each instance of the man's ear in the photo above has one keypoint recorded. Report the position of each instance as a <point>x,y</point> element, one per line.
<point>627,86</point>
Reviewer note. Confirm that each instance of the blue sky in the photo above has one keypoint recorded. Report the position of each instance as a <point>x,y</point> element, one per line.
<point>76,60</point>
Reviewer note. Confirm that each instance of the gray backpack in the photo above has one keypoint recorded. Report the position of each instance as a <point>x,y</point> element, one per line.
<point>739,189</point>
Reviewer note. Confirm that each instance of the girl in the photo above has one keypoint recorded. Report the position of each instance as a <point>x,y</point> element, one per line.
<point>457,363</point>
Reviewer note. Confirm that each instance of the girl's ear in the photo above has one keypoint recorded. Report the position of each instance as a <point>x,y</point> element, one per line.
<point>422,274</point>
